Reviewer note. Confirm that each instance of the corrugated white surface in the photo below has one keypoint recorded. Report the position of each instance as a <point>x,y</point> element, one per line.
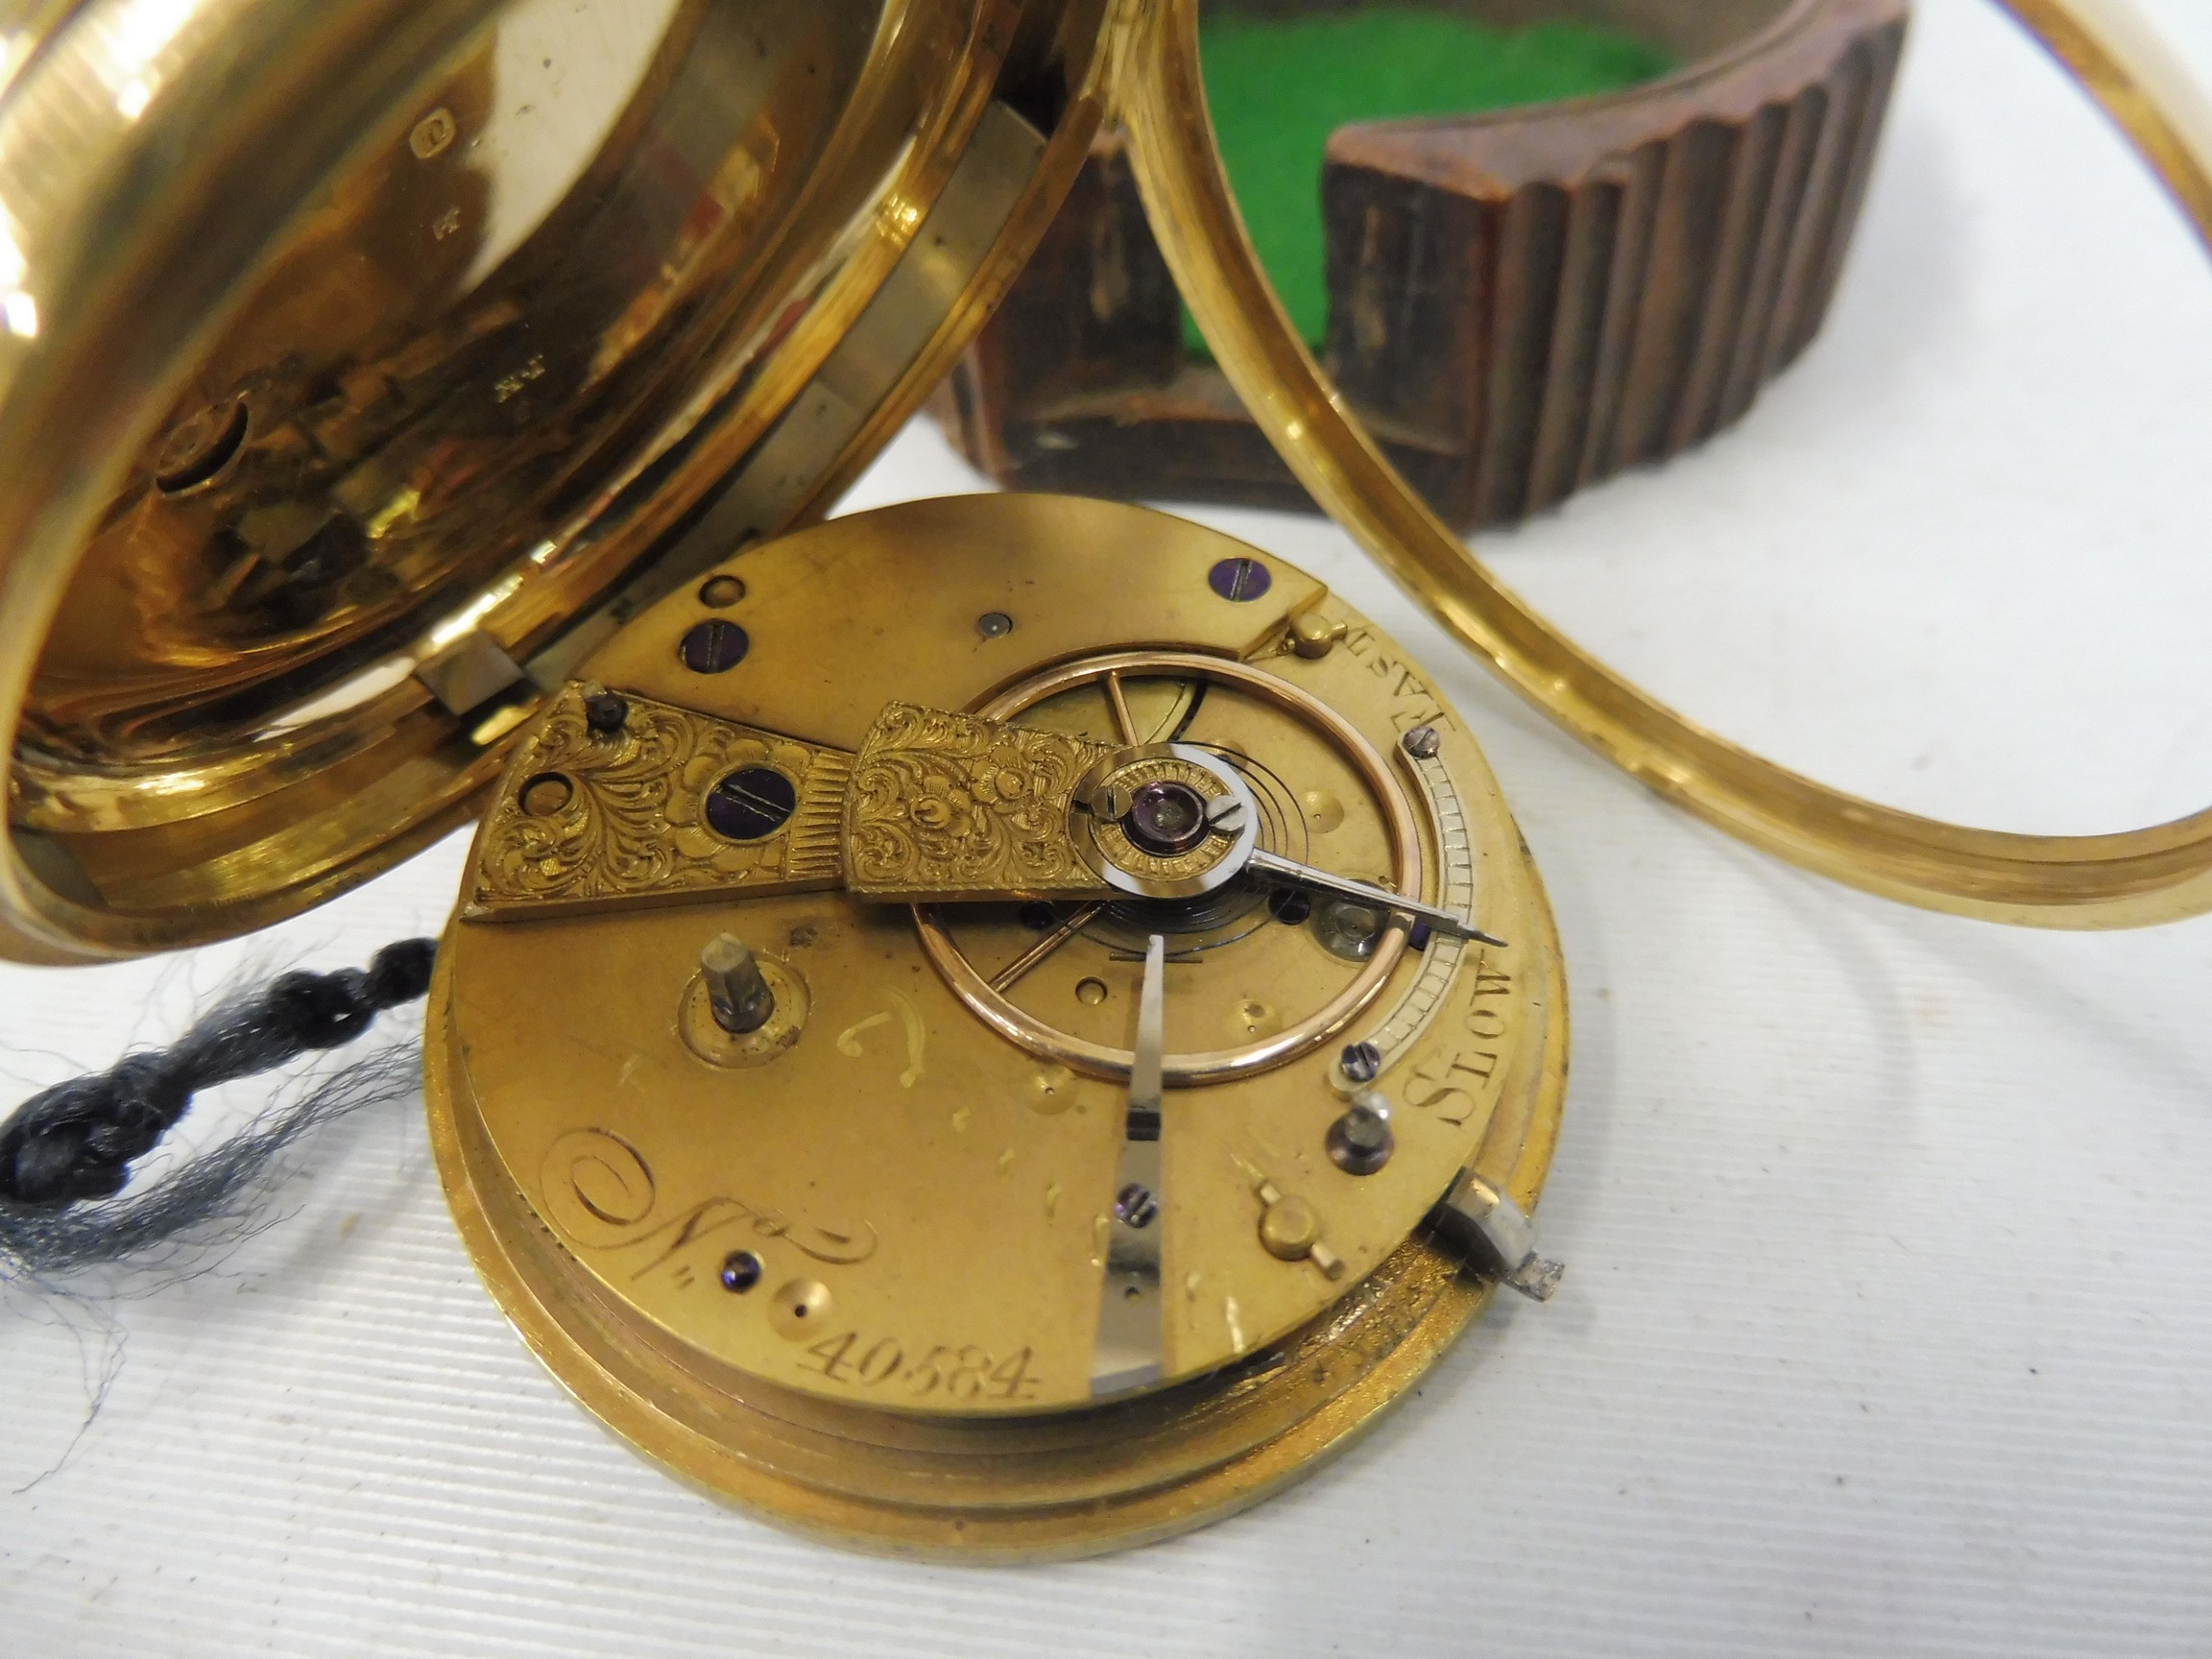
<point>1888,1327</point>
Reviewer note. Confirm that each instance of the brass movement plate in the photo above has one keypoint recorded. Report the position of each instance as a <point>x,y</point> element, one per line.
<point>850,1273</point>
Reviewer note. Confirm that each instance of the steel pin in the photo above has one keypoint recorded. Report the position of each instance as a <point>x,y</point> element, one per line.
<point>736,988</point>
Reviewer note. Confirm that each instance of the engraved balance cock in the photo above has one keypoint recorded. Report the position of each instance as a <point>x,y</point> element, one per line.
<point>670,805</point>
<point>626,801</point>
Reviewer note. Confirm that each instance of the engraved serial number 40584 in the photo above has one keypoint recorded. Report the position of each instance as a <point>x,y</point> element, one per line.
<point>966,1373</point>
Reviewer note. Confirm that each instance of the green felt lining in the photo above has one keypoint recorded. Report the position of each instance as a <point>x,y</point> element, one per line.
<point>1279,86</point>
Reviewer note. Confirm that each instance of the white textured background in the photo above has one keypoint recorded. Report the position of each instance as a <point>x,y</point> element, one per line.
<point>1890,1323</point>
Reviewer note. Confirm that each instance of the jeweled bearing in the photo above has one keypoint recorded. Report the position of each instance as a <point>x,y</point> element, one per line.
<point>1166,818</point>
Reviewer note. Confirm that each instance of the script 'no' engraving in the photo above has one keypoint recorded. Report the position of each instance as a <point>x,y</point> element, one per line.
<point>600,1192</point>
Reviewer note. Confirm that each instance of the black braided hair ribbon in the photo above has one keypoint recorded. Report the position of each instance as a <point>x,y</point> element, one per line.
<point>77,1140</point>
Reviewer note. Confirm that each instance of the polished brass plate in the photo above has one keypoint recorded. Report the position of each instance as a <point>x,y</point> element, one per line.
<point>854,1278</point>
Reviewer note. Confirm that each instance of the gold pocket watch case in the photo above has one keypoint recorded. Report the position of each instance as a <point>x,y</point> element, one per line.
<point>996,1026</point>
<point>364,365</point>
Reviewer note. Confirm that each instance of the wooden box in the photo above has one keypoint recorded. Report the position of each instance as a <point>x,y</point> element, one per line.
<point>1519,302</point>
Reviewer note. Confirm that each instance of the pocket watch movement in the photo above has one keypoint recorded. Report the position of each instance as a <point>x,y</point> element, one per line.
<point>996,1026</point>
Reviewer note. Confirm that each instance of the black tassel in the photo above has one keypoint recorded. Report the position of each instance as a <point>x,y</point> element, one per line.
<point>77,1141</point>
